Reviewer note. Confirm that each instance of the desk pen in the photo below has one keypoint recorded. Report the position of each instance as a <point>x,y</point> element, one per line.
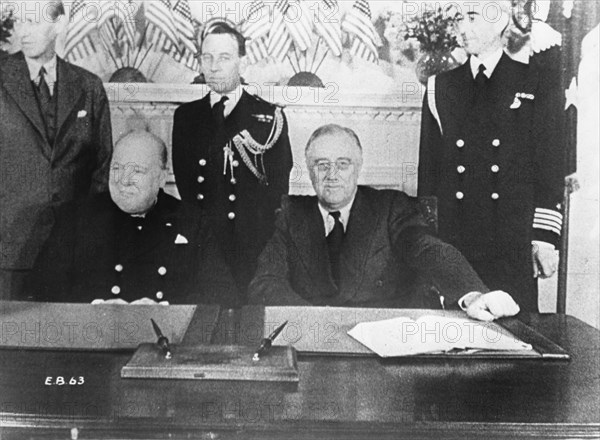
<point>266,343</point>
<point>162,342</point>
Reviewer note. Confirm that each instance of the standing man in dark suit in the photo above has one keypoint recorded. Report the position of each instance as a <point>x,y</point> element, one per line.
<point>491,152</point>
<point>231,154</point>
<point>55,138</point>
<point>134,243</point>
<point>354,246</point>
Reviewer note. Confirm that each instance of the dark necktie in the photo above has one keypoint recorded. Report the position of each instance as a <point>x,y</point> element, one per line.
<point>218,111</point>
<point>46,105</point>
<point>334,243</point>
<point>481,78</point>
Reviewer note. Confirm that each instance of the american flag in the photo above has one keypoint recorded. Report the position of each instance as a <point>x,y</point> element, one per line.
<point>279,41</point>
<point>82,21</point>
<point>128,10</point>
<point>327,25</point>
<point>298,23</point>
<point>357,23</point>
<point>256,30</point>
<point>182,15</point>
<point>161,24</point>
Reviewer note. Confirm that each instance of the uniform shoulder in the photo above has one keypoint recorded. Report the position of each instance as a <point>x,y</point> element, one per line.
<point>84,75</point>
<point>259,100</point>
<point>193,105</point>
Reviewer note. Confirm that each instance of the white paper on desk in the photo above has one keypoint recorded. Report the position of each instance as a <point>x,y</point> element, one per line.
<point>431,334</point>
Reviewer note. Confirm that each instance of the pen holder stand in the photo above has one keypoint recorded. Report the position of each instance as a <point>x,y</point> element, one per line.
<point>213,362</point>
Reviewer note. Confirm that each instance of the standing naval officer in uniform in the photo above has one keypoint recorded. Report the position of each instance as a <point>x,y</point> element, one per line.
<point>491,153</point>
<point>55,138</point>
<point>231,154</point>
<point>134,244</point>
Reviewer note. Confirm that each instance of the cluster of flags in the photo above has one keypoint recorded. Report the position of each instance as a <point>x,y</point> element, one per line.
<point>292,25</point>
<point>167,27</point>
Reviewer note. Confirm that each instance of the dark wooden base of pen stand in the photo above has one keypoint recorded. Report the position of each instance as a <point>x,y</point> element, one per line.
<point>213,362</point>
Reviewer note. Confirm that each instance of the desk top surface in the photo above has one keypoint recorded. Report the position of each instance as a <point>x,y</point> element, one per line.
<point>341,397</point>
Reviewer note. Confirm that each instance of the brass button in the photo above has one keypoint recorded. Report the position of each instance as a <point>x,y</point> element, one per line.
<point>162,271</point>
<point>460,143</point>
<point>460,169</point>
<point>495,196</point>
<point>231,215</point>
<point>495,168</point>
<point>119,268</point>
<point>200,197</point>
<point>115,290</point>
<point>460,195</point>
<point>235,163</point>
<point>202,162</point>
<point>496,142</point>
<point>159,295</point>
<point>200,179</point>
<point>233,181</point>
<point>232,197</point>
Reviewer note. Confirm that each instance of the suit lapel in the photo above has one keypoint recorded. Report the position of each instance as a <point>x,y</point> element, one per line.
<point>18,85</point>
<point>357,242</point>
<point>459,94</point>
<point>69,92</point>
<point>308,234</point>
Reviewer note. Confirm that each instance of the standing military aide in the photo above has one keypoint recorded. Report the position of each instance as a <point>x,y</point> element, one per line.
<point>134,244</point>
<point>231,154</point>
<point>55,138</point>
<point>491,152</point>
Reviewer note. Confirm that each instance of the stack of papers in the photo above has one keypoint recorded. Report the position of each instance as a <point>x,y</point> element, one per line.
<point>404,336</point>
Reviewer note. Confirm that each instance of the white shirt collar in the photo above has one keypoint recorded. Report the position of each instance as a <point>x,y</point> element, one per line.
<point>328,221</point>
<point>234,97</point>
<point>490,62</point>
<point>34,71</point>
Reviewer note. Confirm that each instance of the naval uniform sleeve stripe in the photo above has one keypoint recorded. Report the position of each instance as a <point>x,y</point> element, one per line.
<point>549,212</point>
<point>431,101</point>
<point>547,228</point>
<point>548,218</point>
<point>547,223</point>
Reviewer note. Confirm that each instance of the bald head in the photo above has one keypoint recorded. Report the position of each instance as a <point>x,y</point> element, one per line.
<point>138,171</point>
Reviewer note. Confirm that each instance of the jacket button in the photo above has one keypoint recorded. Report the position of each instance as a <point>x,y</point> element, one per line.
<point>119,268</point>
<point>235,163</point>
<point>495,196</point>
<point>200,179</point>
<point>159,295</point>
<point>202,162</point>
<point>460,195</point>
<point>460,143</point>
<point>115,290</point>
<point>496,142</point>
<point>231,215</point>
<point>232,197</point>
<point>495,168</point>
<point>379,283</point>
<point>460,169</point>
<point>162,271</point>
<point>200,197</point>
<point>233,181</point>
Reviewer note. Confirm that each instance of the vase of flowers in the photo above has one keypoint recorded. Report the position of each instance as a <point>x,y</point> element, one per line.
<point>434,30</point>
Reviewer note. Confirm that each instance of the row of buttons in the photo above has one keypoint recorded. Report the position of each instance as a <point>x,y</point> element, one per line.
<point>461,169</point>
<point>232,197</point>
<point>460,195</point>
<point>461,143</point>
<point>116,290</point>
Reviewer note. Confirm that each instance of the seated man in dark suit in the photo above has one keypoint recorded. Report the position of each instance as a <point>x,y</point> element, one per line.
<point>134,244</point>
<point>360,247</point>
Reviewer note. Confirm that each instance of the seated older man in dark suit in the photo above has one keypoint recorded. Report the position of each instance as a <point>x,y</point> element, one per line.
<point>359,247</point>
<point>134,244</point>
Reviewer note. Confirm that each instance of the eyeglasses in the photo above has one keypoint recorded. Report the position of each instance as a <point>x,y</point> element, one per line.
<point>325,165</point>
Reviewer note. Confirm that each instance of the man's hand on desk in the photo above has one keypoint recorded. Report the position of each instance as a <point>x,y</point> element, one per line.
<point>142,301</point>
<point>489,306</point>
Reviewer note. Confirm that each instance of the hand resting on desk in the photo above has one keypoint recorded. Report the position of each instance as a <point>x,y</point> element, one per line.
<point>142,301</point>
<point>489,306</point>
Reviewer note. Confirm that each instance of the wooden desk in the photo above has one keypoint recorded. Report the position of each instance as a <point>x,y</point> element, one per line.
<point>342,398</point>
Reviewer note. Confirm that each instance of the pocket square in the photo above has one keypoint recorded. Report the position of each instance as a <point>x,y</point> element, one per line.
<point>81,114</point>
<point>181,239</point>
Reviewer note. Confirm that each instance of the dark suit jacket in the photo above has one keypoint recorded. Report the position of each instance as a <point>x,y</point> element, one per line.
<point>94,246</point>
<point>386,254</point>
<point>35,175</point>
<point>253,204</point>
<point>523,143</point>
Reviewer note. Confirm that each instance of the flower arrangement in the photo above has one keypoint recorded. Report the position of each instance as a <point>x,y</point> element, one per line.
<point>6,26</point>
<point>434,30</point>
